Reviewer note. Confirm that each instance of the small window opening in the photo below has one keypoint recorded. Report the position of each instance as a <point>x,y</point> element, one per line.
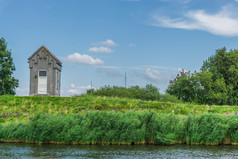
<point>42,73</point>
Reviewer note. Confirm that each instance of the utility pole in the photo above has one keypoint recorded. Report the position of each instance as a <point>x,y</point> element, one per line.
<point>91,85</point>
<point>125,80</point>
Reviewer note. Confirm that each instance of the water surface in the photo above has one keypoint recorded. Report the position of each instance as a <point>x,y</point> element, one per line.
<point>10,150</point>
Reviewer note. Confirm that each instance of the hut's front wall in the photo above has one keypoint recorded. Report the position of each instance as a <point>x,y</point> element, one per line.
<point>42,61</point>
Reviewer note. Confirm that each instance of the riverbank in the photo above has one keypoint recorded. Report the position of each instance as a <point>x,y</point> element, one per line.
<point>109,120</point>
<point>107,127</point>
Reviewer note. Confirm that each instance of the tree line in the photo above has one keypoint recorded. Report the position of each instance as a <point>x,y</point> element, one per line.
<point>215,83</point>
<point>149,92</point>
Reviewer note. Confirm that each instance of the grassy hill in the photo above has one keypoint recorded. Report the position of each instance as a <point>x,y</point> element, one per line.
<point>106,120</point>
<point>16,107</point>
<point>85,102</point>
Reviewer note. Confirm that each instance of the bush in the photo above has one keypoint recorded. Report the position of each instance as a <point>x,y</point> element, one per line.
<point>150,92</point>
<point>2,120</point>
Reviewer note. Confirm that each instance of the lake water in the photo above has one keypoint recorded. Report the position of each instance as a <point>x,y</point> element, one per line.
<point>115,151</point>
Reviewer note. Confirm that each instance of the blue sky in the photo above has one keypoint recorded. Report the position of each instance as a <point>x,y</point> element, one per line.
<point>99,40</point>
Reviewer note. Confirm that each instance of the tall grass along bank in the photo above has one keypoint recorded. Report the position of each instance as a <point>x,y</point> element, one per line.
<point>108,127</point>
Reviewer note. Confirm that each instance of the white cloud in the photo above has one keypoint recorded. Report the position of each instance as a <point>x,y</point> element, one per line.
<point>224,22</point>
<point>165,68</point>
<point>83,59</point>
<point>110,67</point>
<point>72,85</point>
<point>155,76</point>
<point>100,49</point>
<point>22,91</point>
<point>109,72</point>
<point>78,89</point>
<point>132,45</point>
<point>107,42</point>
<point>185,1</point>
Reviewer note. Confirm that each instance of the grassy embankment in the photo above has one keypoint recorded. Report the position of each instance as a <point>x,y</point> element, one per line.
<point>101,120</point>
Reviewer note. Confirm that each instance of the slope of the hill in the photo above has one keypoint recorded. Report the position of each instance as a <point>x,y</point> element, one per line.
<point>104,120</point>
<point>16,107</point>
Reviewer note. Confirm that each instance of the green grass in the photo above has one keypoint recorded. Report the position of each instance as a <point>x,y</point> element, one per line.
<point>110,120</point>
<point>106,127</point>
<point>21,108</point>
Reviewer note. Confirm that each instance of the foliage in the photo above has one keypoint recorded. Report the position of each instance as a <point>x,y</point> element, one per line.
<point>150,92</point>
<point>7,82</point>
<point>112,120</point>
<point>104,127</point>
<point>215,84</point>
<point>181,86</point>
<point>198,87</point>
<point>207,129</point>
<point>97,128</point>
<point>224,66</point>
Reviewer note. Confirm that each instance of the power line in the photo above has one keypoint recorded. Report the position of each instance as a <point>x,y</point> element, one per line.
<point>125,80</point>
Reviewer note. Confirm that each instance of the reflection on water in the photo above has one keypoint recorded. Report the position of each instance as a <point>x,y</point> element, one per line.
<point>115,151</point>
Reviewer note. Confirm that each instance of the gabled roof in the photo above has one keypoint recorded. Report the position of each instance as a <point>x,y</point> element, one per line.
<point>43,46</point>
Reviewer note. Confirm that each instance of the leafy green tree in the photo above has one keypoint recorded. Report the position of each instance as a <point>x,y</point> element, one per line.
<point>7,82</point>
<point>198,87</point>
<point>210,91</point>
<point>182,86</point>
<point>217,83</point>
<point>151,92</point>
<point>224,66</point>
